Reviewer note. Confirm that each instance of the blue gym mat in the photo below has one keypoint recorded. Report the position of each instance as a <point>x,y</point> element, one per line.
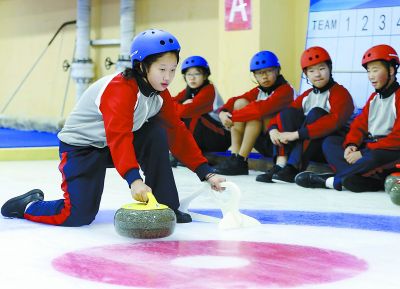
<point>12,138</point>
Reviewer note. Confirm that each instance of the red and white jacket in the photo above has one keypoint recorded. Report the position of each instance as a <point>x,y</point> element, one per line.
<point>379,120</point>
<point>203,107</point>
<point>261,104</point>
<point>337,101</point>
<point>109,113</point>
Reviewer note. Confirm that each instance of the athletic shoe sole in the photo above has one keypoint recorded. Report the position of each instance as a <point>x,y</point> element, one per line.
<point>10,208</point>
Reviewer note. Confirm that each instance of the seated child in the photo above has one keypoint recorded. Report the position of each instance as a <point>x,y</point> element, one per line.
<point>323,110</point>
<point>248,115</point>
<point>197,106</point>
<point>374,137</point>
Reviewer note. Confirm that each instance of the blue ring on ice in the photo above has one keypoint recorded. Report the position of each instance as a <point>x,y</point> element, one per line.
<point>324,219</point>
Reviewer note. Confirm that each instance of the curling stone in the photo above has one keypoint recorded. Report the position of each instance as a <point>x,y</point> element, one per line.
<point>395,192</point>
<point>145,220</point>
<point>390,180</point>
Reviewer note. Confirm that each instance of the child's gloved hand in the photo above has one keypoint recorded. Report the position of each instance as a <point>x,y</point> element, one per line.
<point>139,191</point>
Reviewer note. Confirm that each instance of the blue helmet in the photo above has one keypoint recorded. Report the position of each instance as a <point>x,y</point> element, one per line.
<point>264,59</point>
<point>194,61</point>
<point>152,41</point>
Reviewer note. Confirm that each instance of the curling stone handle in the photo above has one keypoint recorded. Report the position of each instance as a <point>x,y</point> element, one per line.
<point>236,194</point>
<point>151,199</point>
<point>152,202</point>
<point>186,201</point>
<point>232,204</point>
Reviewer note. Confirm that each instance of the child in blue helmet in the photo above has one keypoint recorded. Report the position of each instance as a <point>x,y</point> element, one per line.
<point>197,106</point>
<point>248,115</point>
<point>126,120</point>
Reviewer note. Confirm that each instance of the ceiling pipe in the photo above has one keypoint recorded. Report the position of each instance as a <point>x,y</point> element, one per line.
<point>82,68</point>
<point>127,28</point>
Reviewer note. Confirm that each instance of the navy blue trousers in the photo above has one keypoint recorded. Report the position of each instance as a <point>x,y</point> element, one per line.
<point>371,159</point>
<point>209,135</point>
<point>83,172</point>
<point>300,152</point>
<point>264,145</point>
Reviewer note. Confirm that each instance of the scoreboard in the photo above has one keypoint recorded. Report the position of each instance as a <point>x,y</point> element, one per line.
<point>346,29</point>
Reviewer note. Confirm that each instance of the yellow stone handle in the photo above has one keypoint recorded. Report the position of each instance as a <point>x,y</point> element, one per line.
<point>151,204</point>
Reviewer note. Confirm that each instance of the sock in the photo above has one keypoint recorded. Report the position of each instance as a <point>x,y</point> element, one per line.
<point>329,182</point>
<point>281,162</point>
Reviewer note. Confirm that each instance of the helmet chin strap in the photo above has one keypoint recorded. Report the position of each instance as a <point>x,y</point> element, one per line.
<point>330,74</point>
<point>387,84</point>
<point>315,88</point>
<point>143,72</point>
<point>308,81</point>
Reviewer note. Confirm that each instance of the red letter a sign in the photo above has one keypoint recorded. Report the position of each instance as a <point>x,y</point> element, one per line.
<point>237,14</point>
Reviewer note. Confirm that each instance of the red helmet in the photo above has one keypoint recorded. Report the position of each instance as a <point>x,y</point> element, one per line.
<point>380,52</point>
<point>314,55</point>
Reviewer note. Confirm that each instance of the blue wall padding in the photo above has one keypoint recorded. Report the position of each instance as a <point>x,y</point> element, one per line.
<point>12,138</point>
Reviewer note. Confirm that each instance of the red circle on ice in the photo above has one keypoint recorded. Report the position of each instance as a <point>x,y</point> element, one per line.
<point>247,264</point>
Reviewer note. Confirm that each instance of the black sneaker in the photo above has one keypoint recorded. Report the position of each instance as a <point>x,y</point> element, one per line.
<point>226,163</point>
<point>285,175</point>
<point>15,207</point>
<point>234,166</point>
<point>359,184</point>
<point>267,177</point>
<point>312,180</point>
<point>182,217</point>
